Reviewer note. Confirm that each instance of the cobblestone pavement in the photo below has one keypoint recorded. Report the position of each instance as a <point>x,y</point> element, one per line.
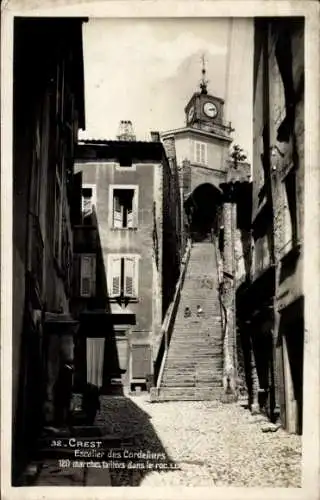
<point>202,444</point>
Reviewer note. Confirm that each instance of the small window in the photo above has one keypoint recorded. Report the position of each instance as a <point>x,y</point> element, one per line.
<point>124,209</point>
<point>88,199</point>
<point>88,275</point>
<point>123,276</point>
<point>201,152</point>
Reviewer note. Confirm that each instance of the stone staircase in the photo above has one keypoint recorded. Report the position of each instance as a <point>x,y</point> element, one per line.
<point>193,369</point>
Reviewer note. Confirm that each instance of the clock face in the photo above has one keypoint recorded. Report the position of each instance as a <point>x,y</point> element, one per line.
<point>210,109</point>
<point>190,113</point>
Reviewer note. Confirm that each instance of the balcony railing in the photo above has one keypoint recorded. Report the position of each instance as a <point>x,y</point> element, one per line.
<point>223,129</point>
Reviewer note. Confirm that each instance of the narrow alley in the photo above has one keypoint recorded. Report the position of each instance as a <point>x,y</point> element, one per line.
<point>158,301</point>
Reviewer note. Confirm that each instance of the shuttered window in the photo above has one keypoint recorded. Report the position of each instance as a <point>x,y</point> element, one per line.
<point>124,206</point>
<point>129,276</point>
<point>88,275</point>
<point>200,152</point>
<point>123,276</point>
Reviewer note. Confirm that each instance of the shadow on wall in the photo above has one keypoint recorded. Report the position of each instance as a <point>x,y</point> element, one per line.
<point>98,323</point>
<point>171,242</point>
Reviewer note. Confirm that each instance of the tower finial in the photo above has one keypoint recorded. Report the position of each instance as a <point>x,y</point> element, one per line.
<point>204,81</point>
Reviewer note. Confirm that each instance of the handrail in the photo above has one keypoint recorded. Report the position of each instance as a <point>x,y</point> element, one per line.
<point>168,322</point>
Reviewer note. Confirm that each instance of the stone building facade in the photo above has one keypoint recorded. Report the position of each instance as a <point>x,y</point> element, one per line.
<point>270,295</point>
<point>130,229</point>
<point>48,109</point>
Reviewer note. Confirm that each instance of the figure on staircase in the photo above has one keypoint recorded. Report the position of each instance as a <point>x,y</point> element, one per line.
<point>187,312</point>
<point>199,311</point>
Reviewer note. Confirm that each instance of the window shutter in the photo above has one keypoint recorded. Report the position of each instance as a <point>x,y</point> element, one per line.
<point>198,158</point>
<point>115,275</point>
<point>86,275</point>
<point>130,218</point>
<point>117,212</point>
<point>93,275</point>
<point>135,216</point>
<point>129,277</point>
<point>203,153</point>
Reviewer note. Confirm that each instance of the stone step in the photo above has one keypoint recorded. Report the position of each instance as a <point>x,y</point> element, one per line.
<point>203,361</point>
<point>204,339</point>
<point>193,294</point>
<point>185,349</point>
<point>182,377</point>
<point>187,371</point>
<point>178,358</point>
<point>210,325</point>
<point>195,383</point>
<point>173,370</point>
<point>180,367</point>
<point>191,335</point>
<point>184,352</point>
<point>205,345</point>
<point>175,367</point>
<point>200,360</point>
<point>189,339</point>
<point>185,394</point>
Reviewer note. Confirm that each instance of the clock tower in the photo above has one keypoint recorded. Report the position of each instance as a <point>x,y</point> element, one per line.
<point>204,110</point>
<point>204,140</point>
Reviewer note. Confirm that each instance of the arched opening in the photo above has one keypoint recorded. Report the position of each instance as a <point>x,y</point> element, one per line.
<point>203,211</point>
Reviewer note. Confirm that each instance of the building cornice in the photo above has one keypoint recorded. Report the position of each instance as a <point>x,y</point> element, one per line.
<point>196,131</point>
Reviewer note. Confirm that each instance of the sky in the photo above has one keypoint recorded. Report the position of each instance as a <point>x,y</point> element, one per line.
<point>146,70</point>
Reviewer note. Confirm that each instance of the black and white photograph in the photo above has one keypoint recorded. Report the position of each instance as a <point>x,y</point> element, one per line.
<point>158,326</point>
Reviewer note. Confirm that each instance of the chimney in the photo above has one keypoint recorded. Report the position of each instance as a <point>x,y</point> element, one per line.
<point>126,131</point>
<point>155,136</point>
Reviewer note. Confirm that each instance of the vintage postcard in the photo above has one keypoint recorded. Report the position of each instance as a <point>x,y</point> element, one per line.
<point>160,249</point>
